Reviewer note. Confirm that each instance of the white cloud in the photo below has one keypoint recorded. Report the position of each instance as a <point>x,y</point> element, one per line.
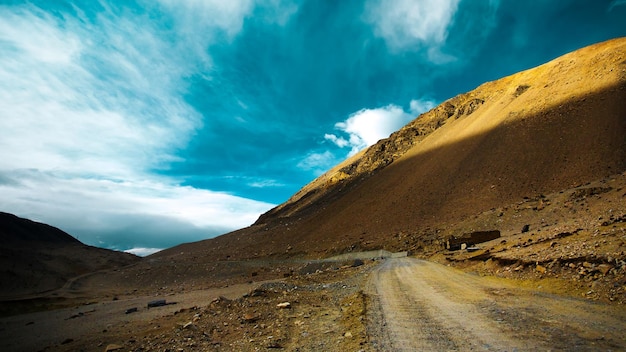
<point>96,103</point>
<point>339,141</point>
<point>91,106</point>
<point>367,126</point>
<point>412,24</point>
<point>278,11</point>
<point>155,207</point>
<point>143,252</point>
<point>420,106</point>
<point>318,162</point>
<point>200,22</point>
<point>48,44</point>
<point>265,183</point>
<point>226,15</point>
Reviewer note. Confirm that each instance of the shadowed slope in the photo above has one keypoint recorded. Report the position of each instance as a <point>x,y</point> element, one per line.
<point>542,130</point>
<point>18,231</point>
<point>36,257</point>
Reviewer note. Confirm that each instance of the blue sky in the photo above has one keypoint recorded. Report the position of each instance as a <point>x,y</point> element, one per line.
<point>138,125</point>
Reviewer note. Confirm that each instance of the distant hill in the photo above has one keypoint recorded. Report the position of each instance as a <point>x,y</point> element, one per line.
<point>15,230</point>
<point>36,258</point>
<point>544,130</point>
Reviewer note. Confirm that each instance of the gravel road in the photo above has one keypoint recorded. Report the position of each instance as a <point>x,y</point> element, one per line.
<point>424,306</point>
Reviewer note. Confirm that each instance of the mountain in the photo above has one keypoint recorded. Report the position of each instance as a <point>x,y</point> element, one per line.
<point>37,258</point>
<point>18,231</point>
<point>547,129</point>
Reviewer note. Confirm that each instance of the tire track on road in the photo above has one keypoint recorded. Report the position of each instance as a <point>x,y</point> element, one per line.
<point>427,306</point>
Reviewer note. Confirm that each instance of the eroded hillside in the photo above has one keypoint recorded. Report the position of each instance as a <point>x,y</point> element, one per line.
<point>539,131</point>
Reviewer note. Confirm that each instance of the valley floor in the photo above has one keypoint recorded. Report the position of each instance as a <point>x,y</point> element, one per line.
<point>393,304</point>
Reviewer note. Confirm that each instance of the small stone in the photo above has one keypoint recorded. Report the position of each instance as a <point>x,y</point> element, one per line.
<point>347,334</point>
<point>604,268</point>
<point>541,269</point>
<point>113,347</point>
<point>157,303</point>
<point>250,318</point>
<point>284,305</point>
<point>188,325</point>
<point>274,344</point>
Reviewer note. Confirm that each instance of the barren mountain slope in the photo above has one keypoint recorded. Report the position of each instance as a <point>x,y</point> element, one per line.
<point>36,257</point>
<point>543,130</point>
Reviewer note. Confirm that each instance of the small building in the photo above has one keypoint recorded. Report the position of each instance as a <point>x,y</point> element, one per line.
<point>454,243</point>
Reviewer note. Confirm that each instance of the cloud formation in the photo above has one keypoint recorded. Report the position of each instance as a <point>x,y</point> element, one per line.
<point>90,99</point>
<point>91,105</point>
<point>318,162</point>
<point>142,251</point>
<point>413,25</point>
<point>367,126</point>
<point>126,213</point>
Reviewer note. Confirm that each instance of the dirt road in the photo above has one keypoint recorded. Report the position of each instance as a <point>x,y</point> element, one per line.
<point>424,306</point>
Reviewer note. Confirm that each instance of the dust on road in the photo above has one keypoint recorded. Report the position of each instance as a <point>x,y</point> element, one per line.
<point>424,306</point>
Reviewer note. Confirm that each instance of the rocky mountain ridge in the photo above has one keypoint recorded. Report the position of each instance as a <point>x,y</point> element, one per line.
<point>380,155</point>
<point>555,86</point>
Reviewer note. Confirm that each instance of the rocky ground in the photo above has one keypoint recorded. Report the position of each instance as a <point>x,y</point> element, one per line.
<point>570,243</point>
<point>325,306</point>
<point>320,311</point>
<point>319,307</point>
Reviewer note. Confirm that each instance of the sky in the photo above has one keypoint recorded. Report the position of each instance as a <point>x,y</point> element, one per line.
<point>139,125</point>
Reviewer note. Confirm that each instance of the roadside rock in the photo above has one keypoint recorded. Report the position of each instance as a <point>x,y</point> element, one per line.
<point>113,347</point>
<point>604,268</point>
<point>251,318</point>
<point>284,305</point>
<point>541,269</point>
